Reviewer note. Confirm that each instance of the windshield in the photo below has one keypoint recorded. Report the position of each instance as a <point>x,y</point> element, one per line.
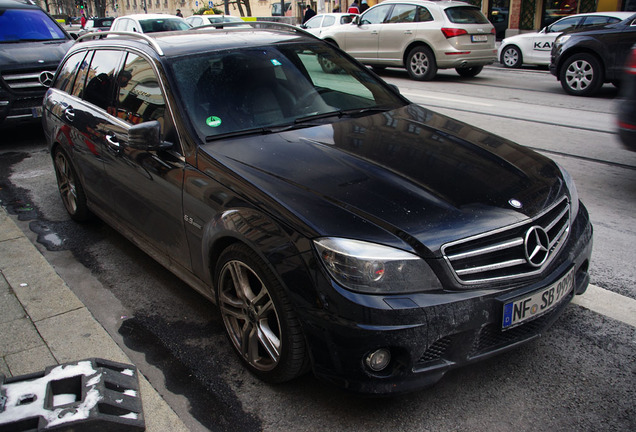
<point>19,25</point>
<point>281,86</point>
<point>160,25</point>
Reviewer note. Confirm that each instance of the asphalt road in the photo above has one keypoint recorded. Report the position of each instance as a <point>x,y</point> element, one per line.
<point>580,376</point>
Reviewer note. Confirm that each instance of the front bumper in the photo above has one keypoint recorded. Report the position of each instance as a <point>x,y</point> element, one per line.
<point>429,334</point>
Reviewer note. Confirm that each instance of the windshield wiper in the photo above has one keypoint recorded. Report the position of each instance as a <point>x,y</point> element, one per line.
<point>254,131</point>
<point>340,113</point>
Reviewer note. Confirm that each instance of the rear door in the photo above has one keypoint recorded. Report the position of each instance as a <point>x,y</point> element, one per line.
<point>397,32</point>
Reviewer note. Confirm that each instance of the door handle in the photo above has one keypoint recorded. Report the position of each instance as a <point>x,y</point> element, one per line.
<point>408,32</point>
<point>69,113</point>
<point>112,141</point>
<point>374,32</point>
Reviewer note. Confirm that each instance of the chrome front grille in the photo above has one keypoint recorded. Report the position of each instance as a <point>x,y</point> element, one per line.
<point>512,252</point>
<point>26,80</point>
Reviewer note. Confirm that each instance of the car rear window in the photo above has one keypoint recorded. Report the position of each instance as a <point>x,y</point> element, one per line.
<point>17,25</point>
<point>465,15</point>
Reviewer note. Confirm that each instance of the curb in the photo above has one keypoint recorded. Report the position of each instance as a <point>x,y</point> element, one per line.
<point>43,323</point>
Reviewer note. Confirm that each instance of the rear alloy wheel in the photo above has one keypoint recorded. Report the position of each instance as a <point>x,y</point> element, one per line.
<point>420,64</point>
<point>581,75</point>
<point>469,72</point>
<point>259,319</point>
<point>70,188</point>
<point>511,57</point>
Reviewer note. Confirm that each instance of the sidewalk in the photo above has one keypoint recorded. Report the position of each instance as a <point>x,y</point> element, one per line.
<point>42,323</point>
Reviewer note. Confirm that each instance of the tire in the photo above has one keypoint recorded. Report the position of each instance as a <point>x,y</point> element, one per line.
<point>511,57</point>
<point>420,64</point>
<point>469,72</point>
<point>378,69</point>
<point>258,317</point>
<point>70,187</point>
<point>581,75</point>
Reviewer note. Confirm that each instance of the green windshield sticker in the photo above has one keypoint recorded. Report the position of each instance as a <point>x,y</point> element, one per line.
<point>213,121</point>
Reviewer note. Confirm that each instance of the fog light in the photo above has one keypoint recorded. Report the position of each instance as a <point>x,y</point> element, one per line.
<point>378,360</point>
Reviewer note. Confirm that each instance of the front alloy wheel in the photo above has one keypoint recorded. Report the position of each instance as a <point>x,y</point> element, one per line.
<point>581,75</point>
<point>511,57</point>
<point>258,317</point>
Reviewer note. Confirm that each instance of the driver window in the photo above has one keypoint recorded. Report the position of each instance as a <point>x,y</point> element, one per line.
<point>376,15</point>
<point>563,25</point>
<point>139,96</point>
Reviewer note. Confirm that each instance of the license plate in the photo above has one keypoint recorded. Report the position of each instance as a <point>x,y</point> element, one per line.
<point>36,112</point>
<point>538,303</point>
<point>479,38</point>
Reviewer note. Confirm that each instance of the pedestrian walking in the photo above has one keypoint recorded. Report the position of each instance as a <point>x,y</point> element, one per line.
<point>364,6</point>
<point>179,14</point>
<point>309,13</point>
<point>354,8</point>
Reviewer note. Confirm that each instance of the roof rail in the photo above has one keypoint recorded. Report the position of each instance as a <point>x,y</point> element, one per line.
<point>99,35</point>
<point>254,24</point>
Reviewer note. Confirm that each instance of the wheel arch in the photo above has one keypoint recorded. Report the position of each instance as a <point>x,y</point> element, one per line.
<point>261,233</point>
<point>415,44</point>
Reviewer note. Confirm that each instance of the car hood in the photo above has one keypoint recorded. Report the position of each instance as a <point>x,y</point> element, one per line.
<point>14,56</point>
<point>409,177</point>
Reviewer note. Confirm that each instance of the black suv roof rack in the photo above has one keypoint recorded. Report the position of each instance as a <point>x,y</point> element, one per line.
<point>99,35</point>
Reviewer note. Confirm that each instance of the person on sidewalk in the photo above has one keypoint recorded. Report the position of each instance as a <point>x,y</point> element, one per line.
<point>364,6</point>
<point>309,13</point>
<point>179,14</point>
<point>353,8</point>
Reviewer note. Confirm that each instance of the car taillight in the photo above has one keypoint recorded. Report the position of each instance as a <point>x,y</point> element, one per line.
<point>492,31</point>
<point>630,66</point>
<point>452,32</point>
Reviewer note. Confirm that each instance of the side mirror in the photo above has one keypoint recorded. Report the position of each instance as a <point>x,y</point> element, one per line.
<point>147,136</point>
<point>303,26</point>
<point>395,88</point>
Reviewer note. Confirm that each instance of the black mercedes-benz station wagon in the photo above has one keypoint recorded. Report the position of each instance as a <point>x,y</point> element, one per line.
<point>337,226</point>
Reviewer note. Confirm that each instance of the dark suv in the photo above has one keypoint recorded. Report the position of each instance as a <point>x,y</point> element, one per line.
<point>336,225</point>
<point>584,59</point>
<point>31,47</point>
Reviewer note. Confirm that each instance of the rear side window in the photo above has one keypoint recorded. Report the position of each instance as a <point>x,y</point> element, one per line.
<point>596,20</point>
<point>23,25</point>
<point>66,76</point>
<point>465,15</point>
<point>403,13</point>
<point>423,14</point>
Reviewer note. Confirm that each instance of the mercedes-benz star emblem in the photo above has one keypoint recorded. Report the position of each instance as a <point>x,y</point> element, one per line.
<point>537,246</point>
<point>46,78</point>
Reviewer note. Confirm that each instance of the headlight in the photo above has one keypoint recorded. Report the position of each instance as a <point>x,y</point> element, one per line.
<point>562,39</point>
<point>375,269</point>
<point>574,194</point>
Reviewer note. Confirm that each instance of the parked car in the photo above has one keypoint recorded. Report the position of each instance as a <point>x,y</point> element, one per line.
<point>322,22</point>
<point>31,47</point>
<point>584,59</point>
<point>201,20</point>
<point>149,23</point>
<point>336,225</point>
<point>627,103</point>
<point>97,25</point>
<point>421,36</point>
<point>534,48</point>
